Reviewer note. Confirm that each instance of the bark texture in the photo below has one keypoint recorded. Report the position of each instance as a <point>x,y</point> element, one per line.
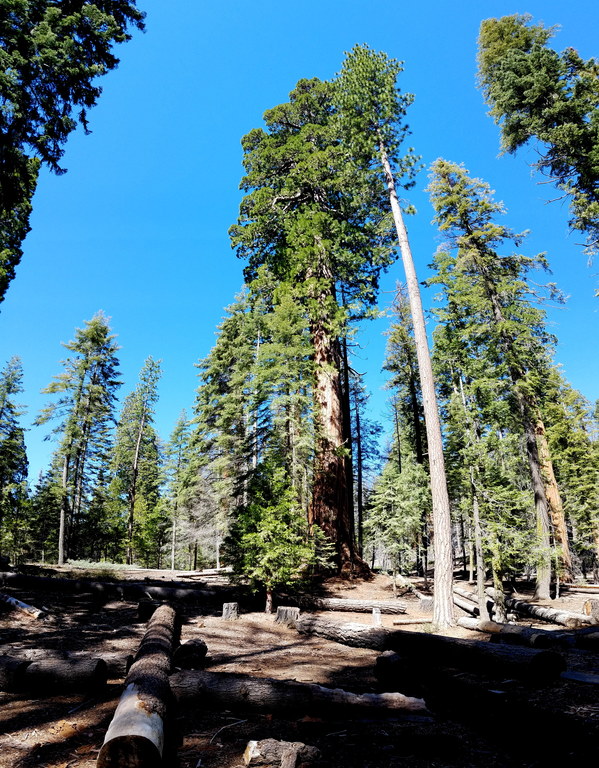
<point>226,690</point>
<point>357,606</point>
<point>135,737</point>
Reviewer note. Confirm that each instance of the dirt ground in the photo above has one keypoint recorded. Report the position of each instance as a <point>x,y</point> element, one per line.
<point>62,730</point>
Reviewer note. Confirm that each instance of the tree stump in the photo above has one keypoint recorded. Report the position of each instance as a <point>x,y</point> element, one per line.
<point>287,615</point>
<point>230,611</point>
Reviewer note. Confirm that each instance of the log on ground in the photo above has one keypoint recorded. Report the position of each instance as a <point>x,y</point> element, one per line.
<point>51,676</point>
<point>350,633</point>
<point>244,692</point>
<point>117,664</point>
<point>439,651</point>
<point>513,634</point>
<point>135,737</point>
<point>356,606</point>
<point>544,613</point>
<point>17,605</point>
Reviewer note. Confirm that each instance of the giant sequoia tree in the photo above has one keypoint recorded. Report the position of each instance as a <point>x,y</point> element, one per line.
<point>50,54</point>
<point>538,94</point>
<point>311,217</point>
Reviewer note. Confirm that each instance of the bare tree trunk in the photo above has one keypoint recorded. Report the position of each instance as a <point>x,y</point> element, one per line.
<point>360,483</point>
<point>443,612</point>
<point>64,511</point>
<point>480,564</point>
<point>133,490</point>
<point>554,500</point>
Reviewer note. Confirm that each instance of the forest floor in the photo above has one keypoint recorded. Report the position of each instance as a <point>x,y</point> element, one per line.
<point>61,730</point>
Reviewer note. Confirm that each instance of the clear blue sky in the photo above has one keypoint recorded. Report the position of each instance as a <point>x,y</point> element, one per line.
<point>138,225</point>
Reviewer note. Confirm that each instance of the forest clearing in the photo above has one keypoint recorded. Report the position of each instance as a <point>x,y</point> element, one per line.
<point>304,572</point>
<point>469,717</point>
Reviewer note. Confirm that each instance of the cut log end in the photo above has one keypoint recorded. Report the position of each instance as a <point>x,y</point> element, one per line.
<point>129,752</point>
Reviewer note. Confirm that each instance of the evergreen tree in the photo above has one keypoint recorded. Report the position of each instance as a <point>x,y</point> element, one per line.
<point>365,450</point>
<point>51,53</point>
<point>496,331</point>
<point>315,222</point>
<point>177,458</point>
<point>270,542</point>
<point>538,94</point>
<point>84,409</point>
<point>136,468</point>
<point>372,112</point>
<point>396,505</point>
<point>13,460</point>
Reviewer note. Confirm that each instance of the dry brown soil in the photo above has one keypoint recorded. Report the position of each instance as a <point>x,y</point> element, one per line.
<point>60,730</point>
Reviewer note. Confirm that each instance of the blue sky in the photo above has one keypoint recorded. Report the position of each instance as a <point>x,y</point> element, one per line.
<point>138,225</point>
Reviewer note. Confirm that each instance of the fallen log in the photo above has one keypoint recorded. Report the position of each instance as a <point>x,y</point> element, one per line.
<point>465,593</point>
<point>124,590</point>
<point>263,694</point>
<point>513,634</point>
<point>17,605</point>
<point>439,651</point>
<point>52,676</point>
<point>350,633</point>
<point>356,606</point>
<point>466,605</point>
<point>135,737</point>
<point>117,664</point>
<point>543,613</point>
<point>587,589</point>
<point>404,622</point>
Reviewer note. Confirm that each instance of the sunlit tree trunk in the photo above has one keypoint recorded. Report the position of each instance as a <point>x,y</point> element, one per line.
<point>443,612</point>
